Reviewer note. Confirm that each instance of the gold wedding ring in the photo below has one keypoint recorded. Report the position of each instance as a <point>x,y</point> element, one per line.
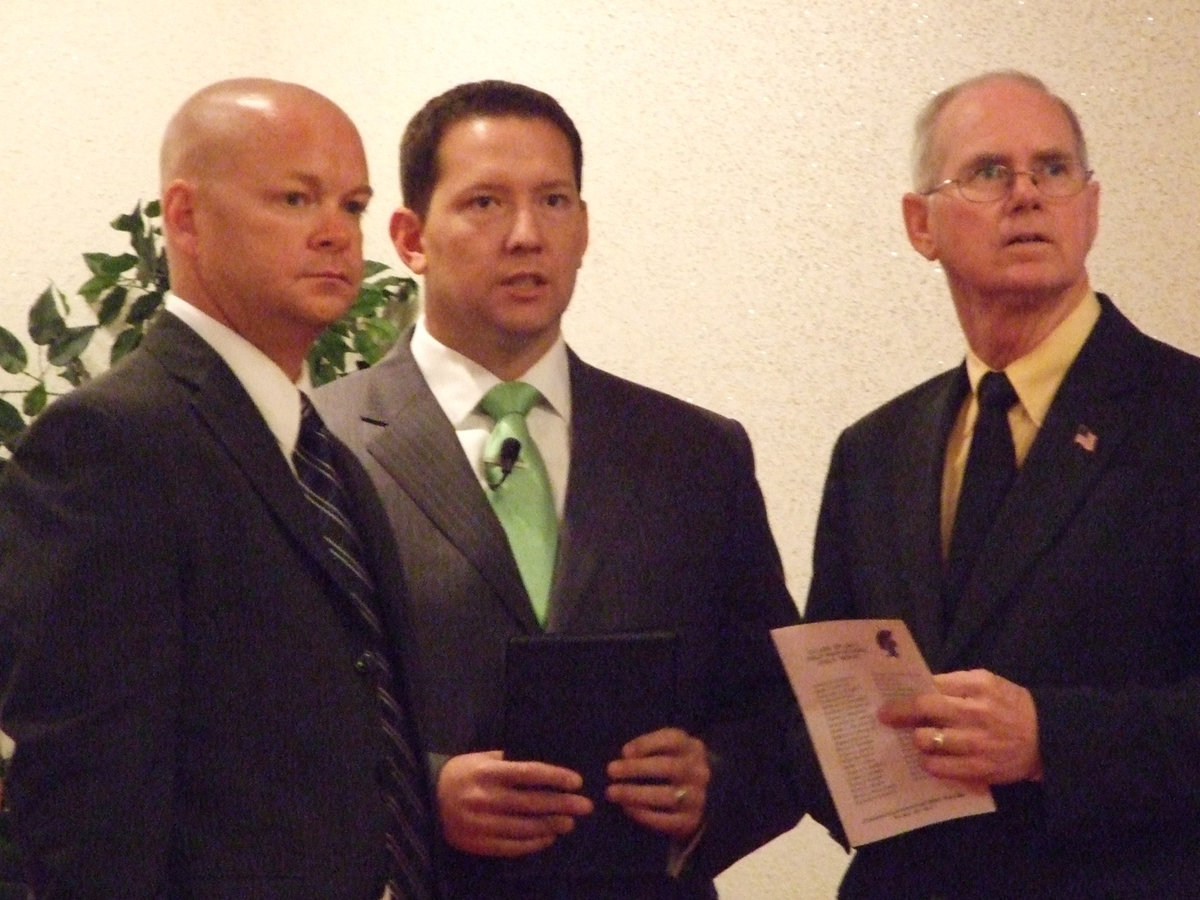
<point>939,739</point>
<point>680,794</point>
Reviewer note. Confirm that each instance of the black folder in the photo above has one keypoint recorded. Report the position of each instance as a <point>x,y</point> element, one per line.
<point>574,701</point>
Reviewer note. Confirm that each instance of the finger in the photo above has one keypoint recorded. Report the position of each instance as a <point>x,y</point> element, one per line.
<point>963,683</point>
<point>538,802</point>
<point>662,741</point>
<point>680,823</point>
<point>539,775</point>
<point>933,740</point>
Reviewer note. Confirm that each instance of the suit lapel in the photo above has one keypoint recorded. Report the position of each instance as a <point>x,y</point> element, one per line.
<point>598,491</point>
<point>1089,418</point>
<point>918,514</point>
<point>408,435</point>
<point>223,405</point>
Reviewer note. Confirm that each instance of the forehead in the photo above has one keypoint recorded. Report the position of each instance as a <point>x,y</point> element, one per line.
<point>312,141</point>
<point>1005,119</point>
<point>504,148</point>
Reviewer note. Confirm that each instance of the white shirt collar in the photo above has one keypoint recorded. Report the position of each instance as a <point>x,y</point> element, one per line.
<point>459,383</point>
<point>272,392</point>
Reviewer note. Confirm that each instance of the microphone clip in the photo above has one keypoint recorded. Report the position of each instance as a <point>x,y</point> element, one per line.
<point>510,452</point>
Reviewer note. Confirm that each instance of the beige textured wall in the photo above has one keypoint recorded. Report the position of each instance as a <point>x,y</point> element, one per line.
<point>745,160</point>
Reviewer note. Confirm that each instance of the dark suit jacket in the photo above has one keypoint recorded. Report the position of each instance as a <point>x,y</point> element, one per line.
<point>1088,594</point>
<point>178,659</point>
<point>664,528</point>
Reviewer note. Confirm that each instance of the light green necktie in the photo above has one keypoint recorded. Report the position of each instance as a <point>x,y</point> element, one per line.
<point>519,488</point>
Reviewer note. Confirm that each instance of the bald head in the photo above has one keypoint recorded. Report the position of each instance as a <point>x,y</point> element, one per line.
<point>263,186</point>
<point>222,117</point>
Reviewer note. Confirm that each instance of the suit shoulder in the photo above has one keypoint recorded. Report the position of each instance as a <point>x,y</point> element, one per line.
<point>133,396</point>
<point>639,401</point>
<point>889,416</point>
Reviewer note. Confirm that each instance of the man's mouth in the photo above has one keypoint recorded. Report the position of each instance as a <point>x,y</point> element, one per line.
<point>524,280</point>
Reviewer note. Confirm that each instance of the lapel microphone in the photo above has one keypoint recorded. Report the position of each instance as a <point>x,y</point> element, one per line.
<point>510,451</point>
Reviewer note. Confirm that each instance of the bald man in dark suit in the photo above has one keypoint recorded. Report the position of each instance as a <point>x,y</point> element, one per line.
<point>194,681</point>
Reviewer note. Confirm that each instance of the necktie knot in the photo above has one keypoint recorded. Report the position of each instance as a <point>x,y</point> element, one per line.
<point>509,397</point>
<point>996,392</point>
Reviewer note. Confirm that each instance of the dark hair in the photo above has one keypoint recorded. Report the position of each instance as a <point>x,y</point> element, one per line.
<point>488,99</point>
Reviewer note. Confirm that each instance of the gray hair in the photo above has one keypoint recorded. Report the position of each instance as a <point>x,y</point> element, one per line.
<point>924,162</point>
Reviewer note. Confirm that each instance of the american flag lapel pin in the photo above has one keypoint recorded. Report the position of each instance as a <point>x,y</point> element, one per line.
<point>1085,438</point>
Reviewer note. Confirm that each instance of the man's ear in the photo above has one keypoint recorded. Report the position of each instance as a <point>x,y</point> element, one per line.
<point>179,215</point>
<point>406,231</point>
<point>586,232</point>
<point>916,222</point>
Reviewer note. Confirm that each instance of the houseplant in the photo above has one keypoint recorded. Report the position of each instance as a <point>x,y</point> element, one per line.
<point>125,291</point>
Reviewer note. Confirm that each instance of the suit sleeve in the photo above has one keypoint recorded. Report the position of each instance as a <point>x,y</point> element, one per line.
<point>758,791</point>
<point>89,651</point>
<point>1118,752</point>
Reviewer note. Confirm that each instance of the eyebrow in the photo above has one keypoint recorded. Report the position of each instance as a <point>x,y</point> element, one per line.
<point>1004,159</point>
<point>313,181</point>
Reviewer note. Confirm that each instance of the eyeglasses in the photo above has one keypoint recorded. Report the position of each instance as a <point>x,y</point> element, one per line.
<point>1057,178</point>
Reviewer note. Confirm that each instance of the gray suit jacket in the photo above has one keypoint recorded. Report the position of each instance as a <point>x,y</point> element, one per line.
<point>1088,594</point>
<point>664,528</point>
<point>177,658</point>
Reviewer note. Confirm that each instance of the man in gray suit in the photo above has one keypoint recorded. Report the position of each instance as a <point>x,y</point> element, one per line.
<point>1063,624</point>
<point>661,524</point>
<point>206,700</point>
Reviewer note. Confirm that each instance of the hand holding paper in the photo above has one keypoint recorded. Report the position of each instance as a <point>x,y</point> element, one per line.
<point>842,674</point>
<point>987,724</point>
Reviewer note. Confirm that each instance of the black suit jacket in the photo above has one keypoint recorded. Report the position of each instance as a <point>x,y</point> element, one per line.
<point>177,656</point>
<point>1088,594</point>
<point>664,528</point>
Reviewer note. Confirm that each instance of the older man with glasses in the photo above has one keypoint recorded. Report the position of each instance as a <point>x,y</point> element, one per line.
<point>1034,516</point>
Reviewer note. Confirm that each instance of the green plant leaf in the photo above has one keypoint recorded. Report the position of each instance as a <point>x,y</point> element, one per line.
<point>13,358</point>
<point>129,222</point>
<point>372,267</point>
<point>146,249</point>
<point>127,340</point>
<point>11,424</point>
<point>70,344</point>
<point>144,307</point>
<point>75,372</point>
<point>91,289</point>
<point>322,372</point>
<point>107,264</point>
<point>35,400</point>
<point>108,307</point>
<point>153,209</point>
<point>45,321</point>
<point>374,338</point>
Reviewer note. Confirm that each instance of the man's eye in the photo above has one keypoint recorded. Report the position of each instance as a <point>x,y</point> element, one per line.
<point>483,201</point>
<point>557,200</point>
<point>1056,168</point>
<point>356,207</point>
<point>295,198</point>
<point>990,172</point>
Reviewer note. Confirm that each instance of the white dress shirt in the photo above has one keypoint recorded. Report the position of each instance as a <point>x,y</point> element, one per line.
<point>459,384</point>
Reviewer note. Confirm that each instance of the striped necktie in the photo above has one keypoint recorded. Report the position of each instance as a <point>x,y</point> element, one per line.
<point>407,837</point>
